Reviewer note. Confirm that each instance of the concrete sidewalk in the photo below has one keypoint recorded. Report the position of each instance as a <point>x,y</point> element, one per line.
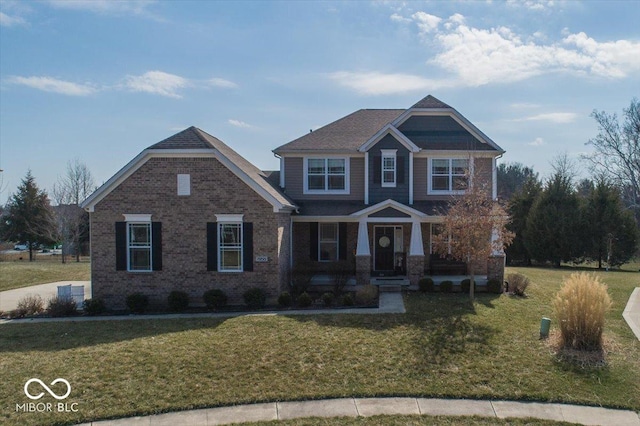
<point>9,299</point>
<point>631,312</point>
<point>365,407</point>
<point>389,303</point>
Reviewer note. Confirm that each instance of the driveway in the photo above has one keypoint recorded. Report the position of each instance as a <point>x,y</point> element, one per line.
<point>9,299</point>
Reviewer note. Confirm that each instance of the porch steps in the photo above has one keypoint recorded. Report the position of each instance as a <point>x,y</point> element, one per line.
<point>390,284</point>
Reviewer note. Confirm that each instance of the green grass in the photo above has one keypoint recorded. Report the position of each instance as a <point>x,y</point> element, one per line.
<point>46,269</point>
<point>407,421</point>
<point>442,347</point>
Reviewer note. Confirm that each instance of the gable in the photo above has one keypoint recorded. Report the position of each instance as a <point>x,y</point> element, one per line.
<point>440,133</point>
<point>389,212</point>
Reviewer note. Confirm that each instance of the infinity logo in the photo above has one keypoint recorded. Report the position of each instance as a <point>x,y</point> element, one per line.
<point>41,394</point>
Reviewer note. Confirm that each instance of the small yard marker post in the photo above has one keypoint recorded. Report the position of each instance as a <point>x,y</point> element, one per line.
<point>545,324</point>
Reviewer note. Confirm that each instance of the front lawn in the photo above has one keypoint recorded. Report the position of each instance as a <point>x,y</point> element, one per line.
<point>442,347</point>
<point>46,269</point>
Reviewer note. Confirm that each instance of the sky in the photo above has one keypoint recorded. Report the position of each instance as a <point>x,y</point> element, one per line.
<point>100,81</point>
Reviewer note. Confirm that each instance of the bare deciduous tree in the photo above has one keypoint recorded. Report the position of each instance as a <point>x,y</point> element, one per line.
<point>474,228</point>
<point>68,192</point>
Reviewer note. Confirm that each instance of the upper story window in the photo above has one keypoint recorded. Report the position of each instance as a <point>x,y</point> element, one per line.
<point>388,168</point>
<point>326,175</point>
<point>448,175</point>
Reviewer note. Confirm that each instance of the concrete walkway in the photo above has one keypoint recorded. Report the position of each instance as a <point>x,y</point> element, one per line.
<point>9,299</point>
<point>631,312</point>
<point>389,303</point>
<point>365,407</point>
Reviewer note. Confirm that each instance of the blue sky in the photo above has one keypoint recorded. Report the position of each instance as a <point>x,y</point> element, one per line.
<point>101,80</point>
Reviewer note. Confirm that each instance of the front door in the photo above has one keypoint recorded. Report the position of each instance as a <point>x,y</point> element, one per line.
<point>384,249</point>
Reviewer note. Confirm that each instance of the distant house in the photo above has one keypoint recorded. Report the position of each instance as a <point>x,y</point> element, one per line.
<point>189,213</point>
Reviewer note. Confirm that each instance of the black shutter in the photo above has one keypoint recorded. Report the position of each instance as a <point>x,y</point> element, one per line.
<point>313,241</point>
<point>247,246</point>
<point>400,169</point>
<point>121,246</point>
<point>342,241</point>
<point>377,169</point>
<point>156,248</point>
<point>212,246</point>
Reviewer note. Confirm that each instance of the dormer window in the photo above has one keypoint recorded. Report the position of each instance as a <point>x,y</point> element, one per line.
<point>326,175</point>
<point>388,168</point>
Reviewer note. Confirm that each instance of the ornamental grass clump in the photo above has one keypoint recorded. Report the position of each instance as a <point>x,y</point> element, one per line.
<point>580,306</point>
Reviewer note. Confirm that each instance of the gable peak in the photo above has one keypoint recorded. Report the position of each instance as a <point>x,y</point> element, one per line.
<point>430,102</point>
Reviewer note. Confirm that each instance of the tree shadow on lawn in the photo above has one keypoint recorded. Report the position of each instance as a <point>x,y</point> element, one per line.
<point>443,325</point>
<point>57,336</point>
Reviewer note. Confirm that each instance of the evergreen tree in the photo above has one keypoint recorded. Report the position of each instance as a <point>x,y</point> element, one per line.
<point>519,208</point>
<point>28,217</point>
<point>512,177</point>
<point>553,226</point>
<point>611,234</point>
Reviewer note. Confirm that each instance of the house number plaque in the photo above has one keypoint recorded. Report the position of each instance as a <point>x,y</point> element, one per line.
<point>262,259</point>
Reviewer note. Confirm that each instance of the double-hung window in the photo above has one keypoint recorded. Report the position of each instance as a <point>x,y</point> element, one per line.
<point>326,175</point>
<point>448,175</point>
<point>328,242</point>
<point>388,168</point>
<point>230,246</point>
<point>139,246</point>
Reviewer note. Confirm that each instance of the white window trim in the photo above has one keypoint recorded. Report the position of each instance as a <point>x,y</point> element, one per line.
<point>337,241</point>
<point>220,249</point>
<point>431,191</point>
<point>389,153</point>
<point>306,190</point>
<point>139,222</point>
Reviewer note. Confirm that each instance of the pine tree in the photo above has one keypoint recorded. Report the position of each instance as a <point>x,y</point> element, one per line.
<point>519,208</point>
<point>552,230</point>
<point>611,234</point>
<point>28,217</point>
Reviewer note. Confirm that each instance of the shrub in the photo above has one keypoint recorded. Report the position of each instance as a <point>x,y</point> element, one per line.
<point>301,276</point>
<point>31,304</point>
<point>425,285</point>
<point>580,306</point>
<point>465,285</point>
<point>285,300</point>
<point>327,299</point>
<point>94,306</point>
<point>61,307</point>
<point>518,283</point>
<point>347,300</point>
<point>446,286</point>
<point>178,301</point>
<point>137,303</point>
<point>214,298</point>
<point>304,300</point>
<point>255,298</point>
<point>494,286</point>
<point>366,295</point>
<point>340,273</point>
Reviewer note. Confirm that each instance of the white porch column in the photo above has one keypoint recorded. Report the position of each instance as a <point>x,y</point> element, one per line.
<point>410,178</point>
<point>416,248</point>
<point>363,239</point>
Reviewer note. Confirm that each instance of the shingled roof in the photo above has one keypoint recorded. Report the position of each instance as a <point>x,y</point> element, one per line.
<point>193,138</point>
<point>345,134</point>
<point>441,132</point>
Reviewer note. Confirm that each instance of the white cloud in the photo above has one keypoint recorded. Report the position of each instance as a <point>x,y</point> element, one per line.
<point>136,7</point>
<point>53,85</point>
<point>537,142</point>
<point>11,21</point>
<point>498,55</point>
<point>555,117</point>
<point>157,83</point>
<point>221,82</point>
<point>400,19</point>
<point>376,83</point>
<point>238,123</point>
<point>426,22</point>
